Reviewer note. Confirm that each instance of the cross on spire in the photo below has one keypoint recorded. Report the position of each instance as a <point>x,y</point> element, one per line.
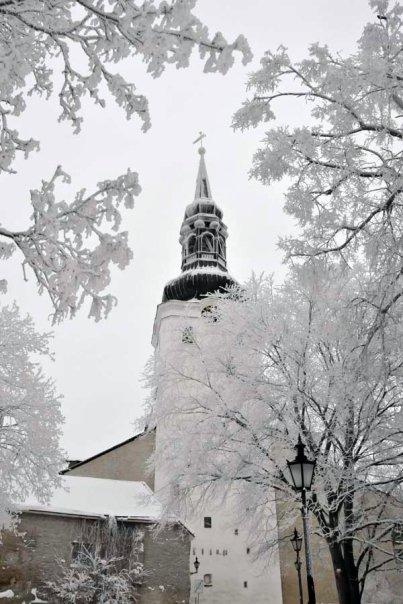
<point>203,190</point>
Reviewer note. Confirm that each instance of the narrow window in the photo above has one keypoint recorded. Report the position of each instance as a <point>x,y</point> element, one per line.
<point>207,522</point>
<point>397,541</point>
<point>202,551</point>
<point>248,550</point>
<point>205,188</point>
<point>245,584</point>
<point>208,580</point>
<point>236,532</point>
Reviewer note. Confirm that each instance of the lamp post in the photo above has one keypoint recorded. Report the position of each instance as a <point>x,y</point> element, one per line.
<point>196,564</point>
<point>296,542</point>
<point>301,470</point>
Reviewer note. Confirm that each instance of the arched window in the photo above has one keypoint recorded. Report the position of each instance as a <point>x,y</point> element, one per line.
<point>207,242</point>
<point>191,244</point>
<point>221,246</point>
<point>208,580</point>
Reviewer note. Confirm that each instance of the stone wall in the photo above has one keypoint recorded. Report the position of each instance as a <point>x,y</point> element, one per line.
<point>49,538</point>
<point>127,461</point>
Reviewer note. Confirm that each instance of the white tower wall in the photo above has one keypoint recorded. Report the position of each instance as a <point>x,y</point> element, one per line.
<point>222,550</point>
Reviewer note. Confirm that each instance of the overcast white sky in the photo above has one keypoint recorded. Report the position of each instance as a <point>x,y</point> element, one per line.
<point>98,366</point>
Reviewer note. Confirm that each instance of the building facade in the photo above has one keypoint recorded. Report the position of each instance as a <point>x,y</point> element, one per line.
<point>81,510</point>
<point>228,571</point>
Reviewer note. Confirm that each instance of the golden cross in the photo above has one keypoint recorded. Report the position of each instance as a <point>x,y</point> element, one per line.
<point>199,139</point>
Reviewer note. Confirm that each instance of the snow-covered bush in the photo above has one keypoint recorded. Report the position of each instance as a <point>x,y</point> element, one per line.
<point>106,567</point>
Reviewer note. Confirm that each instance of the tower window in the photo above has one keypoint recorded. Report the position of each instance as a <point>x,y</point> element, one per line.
<point>191,244</point>
<point>236,532</point>
<point>245,584</point>
<point>248,550</point>
<point>205,188</point>
<point>208,580</point>
<point>187,335</point>
<point>207,242</point>
<point>207,522</point>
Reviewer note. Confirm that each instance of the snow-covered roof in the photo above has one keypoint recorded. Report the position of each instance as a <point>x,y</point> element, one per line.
<point>99,497</point>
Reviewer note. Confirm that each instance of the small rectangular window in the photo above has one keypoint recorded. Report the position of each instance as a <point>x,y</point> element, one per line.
<point>245,584</point>
<point>236,532</point>
<point>248,550</point>
<point>207,522</point>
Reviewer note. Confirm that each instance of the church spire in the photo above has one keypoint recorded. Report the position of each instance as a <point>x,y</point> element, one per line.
<point>203,237</point>
<point>203,190</point>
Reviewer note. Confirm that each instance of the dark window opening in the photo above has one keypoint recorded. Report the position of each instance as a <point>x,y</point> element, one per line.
<point>191,244</point>
<point>207,522</point>
<point>187,335</point>
<point>248,550</point>
<point>236,532</point>
<point>205,187</point>
<point>245,584</point>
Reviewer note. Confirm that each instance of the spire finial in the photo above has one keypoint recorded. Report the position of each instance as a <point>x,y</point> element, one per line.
<point>202,183</point>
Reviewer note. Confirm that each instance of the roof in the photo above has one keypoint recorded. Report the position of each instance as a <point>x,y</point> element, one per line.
<point>121,444</point>
<point>97,498</point>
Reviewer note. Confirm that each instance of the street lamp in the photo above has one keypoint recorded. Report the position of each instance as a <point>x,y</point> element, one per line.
<point>296,542</point>
<point>196,586</point>
<point>301,470</point>
<point>196,564</point>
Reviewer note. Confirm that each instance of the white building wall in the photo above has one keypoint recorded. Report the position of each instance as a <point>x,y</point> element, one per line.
<point>237,578</point>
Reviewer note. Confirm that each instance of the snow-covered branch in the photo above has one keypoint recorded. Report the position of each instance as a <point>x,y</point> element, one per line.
<point>345,162</point>
<point>67,246</point>
<point>41,38</point>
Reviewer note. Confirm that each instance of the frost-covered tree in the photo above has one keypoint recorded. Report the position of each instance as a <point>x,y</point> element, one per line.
<point>344,167</point>
<point>106,567</point>
<point>70,48</point>
<point>30,417</point>
<point>276,362</point>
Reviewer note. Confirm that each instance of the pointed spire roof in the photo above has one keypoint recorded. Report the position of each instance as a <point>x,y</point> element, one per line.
<point>203,190</point>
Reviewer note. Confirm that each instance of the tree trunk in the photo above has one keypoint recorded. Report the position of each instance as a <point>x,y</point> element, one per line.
<point>344,572</point>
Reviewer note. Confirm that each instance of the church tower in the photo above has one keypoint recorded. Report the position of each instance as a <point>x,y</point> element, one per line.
<point>203,237</point>
<point>228,572</point>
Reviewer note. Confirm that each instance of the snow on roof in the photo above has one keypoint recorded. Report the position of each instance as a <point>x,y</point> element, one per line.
<point>99,497</point>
